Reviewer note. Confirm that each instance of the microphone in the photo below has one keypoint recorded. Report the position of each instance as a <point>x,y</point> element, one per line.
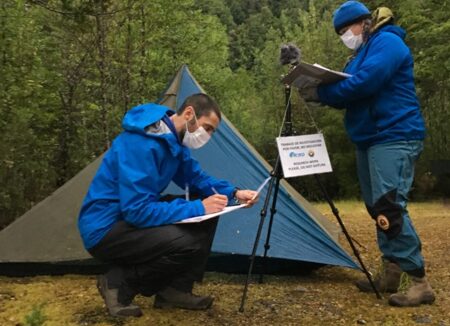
<point>289,54</point>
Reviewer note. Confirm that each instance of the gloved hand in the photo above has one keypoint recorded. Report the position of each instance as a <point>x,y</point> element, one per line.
<point>309,94</point>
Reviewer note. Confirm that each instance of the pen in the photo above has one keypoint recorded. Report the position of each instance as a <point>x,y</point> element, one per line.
<point>187,191</point>
<point>214,190</point>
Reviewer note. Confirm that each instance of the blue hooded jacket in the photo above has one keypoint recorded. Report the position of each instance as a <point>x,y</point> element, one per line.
<point>380,97</point>
<point>140,164</point>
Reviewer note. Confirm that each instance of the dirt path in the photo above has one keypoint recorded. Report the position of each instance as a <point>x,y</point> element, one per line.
<point>327,297</point>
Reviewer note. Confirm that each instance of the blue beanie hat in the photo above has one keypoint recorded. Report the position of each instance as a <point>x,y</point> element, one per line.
<point>349,13</point>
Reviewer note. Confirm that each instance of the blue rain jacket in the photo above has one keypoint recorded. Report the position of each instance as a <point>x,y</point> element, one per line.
<point>135,170</point>
<point>380,97</point>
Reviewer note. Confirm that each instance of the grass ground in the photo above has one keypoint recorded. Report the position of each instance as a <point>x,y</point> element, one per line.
<point>326,297</point>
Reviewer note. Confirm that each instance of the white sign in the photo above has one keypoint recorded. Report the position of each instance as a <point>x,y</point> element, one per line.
<point>303,155</point>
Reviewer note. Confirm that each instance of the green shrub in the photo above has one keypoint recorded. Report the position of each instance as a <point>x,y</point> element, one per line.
<point>36,317</point>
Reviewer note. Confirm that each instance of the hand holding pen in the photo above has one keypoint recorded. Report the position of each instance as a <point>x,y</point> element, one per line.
<point>248,197</point>
<point>215,203</point>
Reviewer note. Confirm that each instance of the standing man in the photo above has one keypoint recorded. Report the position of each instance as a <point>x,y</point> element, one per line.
<point>383,119</point>
<point>126,223</point>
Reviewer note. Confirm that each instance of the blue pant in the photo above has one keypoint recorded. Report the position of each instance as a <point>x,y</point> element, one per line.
<point>386,172</point>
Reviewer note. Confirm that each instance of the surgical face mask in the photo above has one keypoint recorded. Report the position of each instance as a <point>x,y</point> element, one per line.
<point>197,138</point>
<point>351,40</point>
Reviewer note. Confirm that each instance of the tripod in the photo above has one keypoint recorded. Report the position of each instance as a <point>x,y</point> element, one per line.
<point>274,185</point>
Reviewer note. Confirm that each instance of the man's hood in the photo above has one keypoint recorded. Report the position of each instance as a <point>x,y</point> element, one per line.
<point>145,119</point>
<point>397,30</point>
<point>142,116</point>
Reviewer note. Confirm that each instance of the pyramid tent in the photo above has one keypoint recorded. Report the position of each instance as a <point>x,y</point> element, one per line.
<point>47,234</point>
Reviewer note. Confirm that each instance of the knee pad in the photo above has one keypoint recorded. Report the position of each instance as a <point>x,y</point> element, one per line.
<point>387,214</point>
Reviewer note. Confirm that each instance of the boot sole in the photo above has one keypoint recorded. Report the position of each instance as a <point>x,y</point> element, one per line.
<point>427,300</point>
<point>136,312</point>
<point>170,305</point>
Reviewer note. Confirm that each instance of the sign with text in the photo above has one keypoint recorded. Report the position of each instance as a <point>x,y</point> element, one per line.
<point>303,155</point>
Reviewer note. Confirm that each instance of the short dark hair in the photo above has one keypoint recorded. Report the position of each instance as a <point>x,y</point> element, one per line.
<point>203,105</point>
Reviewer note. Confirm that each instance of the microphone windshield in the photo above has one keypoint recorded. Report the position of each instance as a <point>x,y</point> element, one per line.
<point>289,54</point>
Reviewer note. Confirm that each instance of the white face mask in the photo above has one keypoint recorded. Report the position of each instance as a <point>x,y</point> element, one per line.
<point>351,40</point>
<point>195,139</point>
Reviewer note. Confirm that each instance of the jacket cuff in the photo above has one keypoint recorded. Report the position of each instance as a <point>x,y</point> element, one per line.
<point>198,208</point>
<point>230,192</point>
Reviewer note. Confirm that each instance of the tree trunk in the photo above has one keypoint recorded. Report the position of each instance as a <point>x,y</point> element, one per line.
<point>101,65</point>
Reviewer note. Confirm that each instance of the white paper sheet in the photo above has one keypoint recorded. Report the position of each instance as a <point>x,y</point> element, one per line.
<point>226,210</point>
<point>197,219</point>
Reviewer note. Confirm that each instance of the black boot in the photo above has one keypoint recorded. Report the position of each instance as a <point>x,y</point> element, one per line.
<point>110,296</point>
<point>172,298</point>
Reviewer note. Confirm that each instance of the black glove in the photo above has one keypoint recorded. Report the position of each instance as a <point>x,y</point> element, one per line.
<point>309,94</point>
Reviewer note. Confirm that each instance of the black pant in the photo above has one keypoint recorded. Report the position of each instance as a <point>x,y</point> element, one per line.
<point>147,260</point>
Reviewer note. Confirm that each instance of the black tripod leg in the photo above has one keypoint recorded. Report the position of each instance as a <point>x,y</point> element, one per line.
<point>349,239</point>
<point>273,211</point>
<point>255,244</point>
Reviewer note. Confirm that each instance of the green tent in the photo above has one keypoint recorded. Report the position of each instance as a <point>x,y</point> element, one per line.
<point>46,240</point>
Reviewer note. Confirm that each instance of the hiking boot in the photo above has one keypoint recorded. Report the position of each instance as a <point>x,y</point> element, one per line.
<point>172,298</point>
<point>110,296</point>
<point>387,279</point>
<point>413,291</point>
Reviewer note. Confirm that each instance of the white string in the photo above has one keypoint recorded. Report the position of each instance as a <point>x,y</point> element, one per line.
<point>307,110</point>
<point>311,117</point>
<point>285,112</point>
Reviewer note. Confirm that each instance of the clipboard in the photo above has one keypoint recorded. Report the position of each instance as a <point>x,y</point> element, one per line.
<point>226,210</point>
<point>308,75</point>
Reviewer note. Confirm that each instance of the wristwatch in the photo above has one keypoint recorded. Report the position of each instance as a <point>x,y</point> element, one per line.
<point>234,195</point>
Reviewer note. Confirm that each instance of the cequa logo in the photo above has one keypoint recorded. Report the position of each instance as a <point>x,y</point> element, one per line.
<point>294,154</point>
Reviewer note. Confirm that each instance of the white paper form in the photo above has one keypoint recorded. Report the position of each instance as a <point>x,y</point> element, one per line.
<point>226,210</point>
<point>261,187</point>
<point>197,219</point>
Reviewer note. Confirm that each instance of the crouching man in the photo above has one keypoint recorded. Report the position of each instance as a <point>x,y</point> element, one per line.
<point>125,222</point>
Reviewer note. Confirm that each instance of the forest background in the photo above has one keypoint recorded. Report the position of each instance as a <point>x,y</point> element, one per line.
<point>70,69</point>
